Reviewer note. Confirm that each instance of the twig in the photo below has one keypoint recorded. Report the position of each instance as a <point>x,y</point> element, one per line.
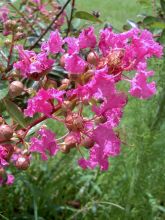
<point>22,15</point>
<point>50,25</point>
<point>11,50</point>
<point>71,17</point>
<point>37,121</point>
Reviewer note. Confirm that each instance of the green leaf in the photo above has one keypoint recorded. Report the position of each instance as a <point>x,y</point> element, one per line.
<point>162,2</point>
<point>162,37</point>
<point>56,127</point>
<point>15,113</point>
<point>86,16</point>
<point>158,25</point>
<point>4,88</point>
<point>150,20</point>
<point>35,128</point>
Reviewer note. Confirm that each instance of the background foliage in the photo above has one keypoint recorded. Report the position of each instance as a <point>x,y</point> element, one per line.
<point>133,188</point>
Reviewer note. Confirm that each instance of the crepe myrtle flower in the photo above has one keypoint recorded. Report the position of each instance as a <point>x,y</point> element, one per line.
<point>32,65</point>
<point>43,102</point>
<point>54,43</point>
<point>44,144</point>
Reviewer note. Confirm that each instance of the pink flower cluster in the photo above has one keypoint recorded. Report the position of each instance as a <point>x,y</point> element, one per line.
<point>94,68</point>
<point>31,64</point>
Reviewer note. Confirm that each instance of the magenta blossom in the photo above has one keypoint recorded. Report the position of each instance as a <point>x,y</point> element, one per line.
<point>75,64</point>
<point>45,144</point>
<point>41,103</point>
<point>139,86</point>
<point>87,38</point>
<point>107,144</point>
<point>73,45</point>
<point>32,64</point>
<point>54,43</point>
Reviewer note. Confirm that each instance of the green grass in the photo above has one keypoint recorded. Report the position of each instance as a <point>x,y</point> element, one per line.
<point>115,12</point>
<point>132,189</point>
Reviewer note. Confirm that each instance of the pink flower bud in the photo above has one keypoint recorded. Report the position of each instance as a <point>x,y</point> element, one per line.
<point>74,122</point>
<point>100,119</point>
<point>20,133</point>
<point>6,133</point>
<point>10,25</point>
<point>70,141</point>
<point>92,58</point>
<point>22,162</point>
<point>9,150</point>
<point>16,88</point>
<point>62,60</point>
<point>65,84</point>
<point>65,149</point>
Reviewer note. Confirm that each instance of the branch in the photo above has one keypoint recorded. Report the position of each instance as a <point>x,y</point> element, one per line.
<point>22,15</point>
<point>71,17</point>
<point>50,25</point>
<point>37,121</point>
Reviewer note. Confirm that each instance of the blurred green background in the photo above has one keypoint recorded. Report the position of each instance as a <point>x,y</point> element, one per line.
<point>134,186</point>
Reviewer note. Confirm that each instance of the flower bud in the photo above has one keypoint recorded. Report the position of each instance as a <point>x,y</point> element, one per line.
<point>74,122</point>
<point>65,84</point>
<point>22,162</point>
<point>92,58</point>
<point>9,149</point>
<point>10,25</point>
<point>87,142</point>
<point>20,133</point>
<point>87,76</point>
<point>100,119</point>
<point>6,133</point>
<point>16,88</point>
<point>68,106</point>
<point>19,36</point>
<point>70,141</point>
<point>75,77</point>
<point>50,84</point>
<point>7,42</point>
<point>19,29</point>
<point>64,149</point>
<point>1,120</point>
<point>62,60</point>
